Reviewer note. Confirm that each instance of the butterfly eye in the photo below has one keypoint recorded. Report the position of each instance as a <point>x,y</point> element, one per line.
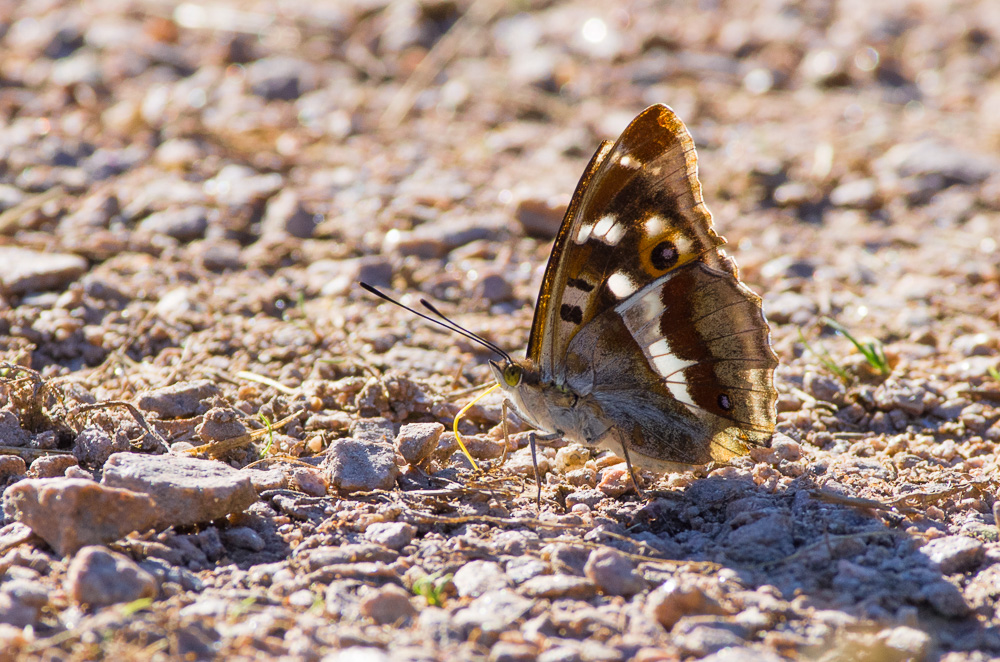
<point>512,374</point>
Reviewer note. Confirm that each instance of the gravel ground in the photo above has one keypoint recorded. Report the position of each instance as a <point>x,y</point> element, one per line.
<point>190,192</point>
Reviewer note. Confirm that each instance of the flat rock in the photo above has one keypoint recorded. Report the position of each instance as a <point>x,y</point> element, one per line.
<point>416,441</point>
<point>953,554</point>
<point>99,577</point>
<point>494,611</point>
<point>613,572</point>
<point>354,465</point>
<point>70,513</point>
<point>555,587</point>
<point>181,400</point>
<point>31,271</point>
<point>187,490</point>
<point>475,578</point>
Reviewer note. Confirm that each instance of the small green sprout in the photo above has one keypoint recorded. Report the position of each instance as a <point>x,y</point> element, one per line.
<point>825,358</point>
<point>872,350</point>
<point>432,587</point>
<point>993,372</point>
<point>270,434</point>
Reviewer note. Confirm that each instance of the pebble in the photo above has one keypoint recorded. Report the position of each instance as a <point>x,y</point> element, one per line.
<point>187,490</point>
<point>22,601</point>
<point>243,537</point>
<point>790,308</point>
<point>354,465</point>
<point>285,215</point>
<point>184,224</point>
<point>339,277</point>
<point>99,577</point>
<point>556,587</point>
<point>910,642</point>
<point>27,271</point>
<point>823,387</point>
<point>670,602</point>
<point>493,611</point>
<point>701,639</point>
<point>417,441</point>
<point>766,539</point>
<point>394,535</point>
<point>279,77</point>
<point>952,554</point>
<point>743,654</point>
<point>387,605</point>
<point>309,481</point>
<point>615,481</point>
<point>93,446</point>
<point>321,557</point>
<point>358,654</point>
<point>613,572</point>
<point>70,513</point>
<point>478,577</point>
<point>11,431</point>
<point>858,194</point>
<point>522,568</point>
<point>180,400</point>
<point>219,424</point>
<point>51,466</point>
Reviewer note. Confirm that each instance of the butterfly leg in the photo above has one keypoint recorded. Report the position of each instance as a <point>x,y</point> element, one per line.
<point>532,437</point>
<point>631,472</point>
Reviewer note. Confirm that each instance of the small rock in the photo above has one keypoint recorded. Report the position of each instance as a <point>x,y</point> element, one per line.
<point>613,572</point>
<point>522,568</point>
<point>394,535</point>
<point>589,497</point>
<point>338,277</point>
<point>99,577</point>
<point>858,194</point>
<point>952,554</point>
<point>11,432</point>
<point>354,465</point>
<point>742,654</point>
<point>388,605</point>
<point>51,466</point>
<point>93,446</point>
<point>790,307</point>
<point>540,218</point>
<point>911,642</point>
<point>493,612</point>
<point>27,271</point>
<point>478,577</point>
<point>181,400</point>
<point>184,224</point>
<point>766,539</point>
<point>322,557</point>
<point>21,602</point>
<point>701,640</point>
<point>556,587</point>
<point>823,387</point>
<point>785,448</point>
<point>493,288</point>
<point>285,215</point>
<point>358,654</point>
<point>615,481</point>
<point>416,441</point>
<point>70,513</point>
<point>279,77</point>
<point>243,537</point>
<point>670,602</point>
<point>187,490</point>
<point>945,599</point>
<point>309,481</point>
<point>219,424</point>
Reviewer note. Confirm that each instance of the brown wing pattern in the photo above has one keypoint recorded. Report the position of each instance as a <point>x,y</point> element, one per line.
<point>637,214</point>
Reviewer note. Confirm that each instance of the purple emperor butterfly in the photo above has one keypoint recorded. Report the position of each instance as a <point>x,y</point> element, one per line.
<point>644,338</point>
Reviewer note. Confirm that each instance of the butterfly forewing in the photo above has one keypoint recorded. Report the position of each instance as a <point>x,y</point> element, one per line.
<point>637,213</point>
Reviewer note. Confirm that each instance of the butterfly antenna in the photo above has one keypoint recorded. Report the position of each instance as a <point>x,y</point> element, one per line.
<point>469,334</point>
<point>451,326</point>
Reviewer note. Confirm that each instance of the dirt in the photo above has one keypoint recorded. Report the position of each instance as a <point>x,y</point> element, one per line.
<point>189,195</point>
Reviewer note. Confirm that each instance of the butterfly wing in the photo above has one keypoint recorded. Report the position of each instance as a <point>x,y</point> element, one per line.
<point>637,271</point>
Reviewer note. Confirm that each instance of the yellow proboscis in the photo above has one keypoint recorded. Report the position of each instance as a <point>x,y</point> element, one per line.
<point>458,417</point>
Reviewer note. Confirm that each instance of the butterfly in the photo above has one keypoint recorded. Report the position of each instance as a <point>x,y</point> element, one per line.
<point>644,338</point>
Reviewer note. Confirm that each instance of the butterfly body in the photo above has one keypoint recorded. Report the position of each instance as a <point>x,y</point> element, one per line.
<point>644,338</point>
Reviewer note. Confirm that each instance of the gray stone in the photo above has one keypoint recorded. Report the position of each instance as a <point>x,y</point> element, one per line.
<point>613,572</point>
<point>742,654</point>
<point>32,271</point>
<point>187,490</point>
<point>911,642</point>
<point>767,539</point>
<point>21,602</point>
<point>701,640</point>
<point>219,424</point>
<point>93,446</point>
<point>859,194</point>
<point>321,557</point>
<point>953,554</point>
<point>180,400</point>
<point>416,441</point>
<point>70,513</point>
<point>355,465</point>
<point>476,578</point>
<point>184,224</point>
<point>285,215</point>
<point>243,537</point>
<point>394,535</point>
<point>279,77</point>
<point>99,577</point>
<point>493,611</point>
<point>671,602</point>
